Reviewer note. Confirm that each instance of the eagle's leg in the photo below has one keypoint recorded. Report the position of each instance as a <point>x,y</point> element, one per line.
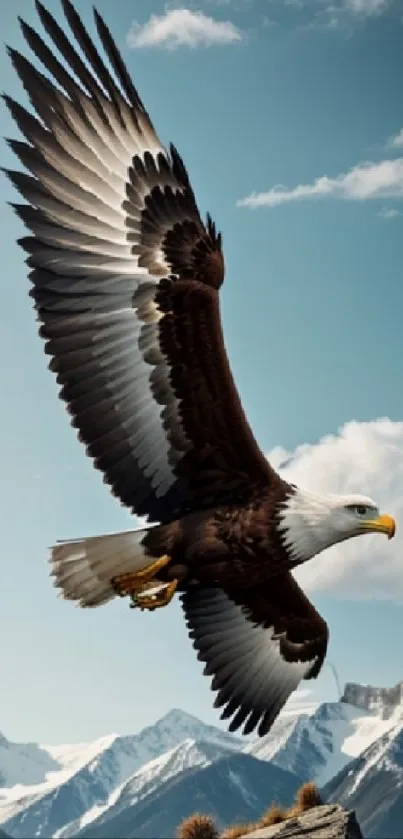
<point>136,581</point>
<point>154,601</point>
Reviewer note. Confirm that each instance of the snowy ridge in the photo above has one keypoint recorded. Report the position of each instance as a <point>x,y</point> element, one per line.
<point>372,784</point>
<point>24,764</point>
<point>318,746</point>
<point>234,788</point>
<point>266,748</point>
<point>385,753</point>
<point>187,755</point>
<point>88,776</point>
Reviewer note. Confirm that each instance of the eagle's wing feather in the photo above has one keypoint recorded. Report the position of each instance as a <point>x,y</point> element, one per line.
<point>258,644</point>
<point>125,278</point>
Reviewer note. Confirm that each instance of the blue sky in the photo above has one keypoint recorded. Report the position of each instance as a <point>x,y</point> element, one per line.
<point>253,94</point>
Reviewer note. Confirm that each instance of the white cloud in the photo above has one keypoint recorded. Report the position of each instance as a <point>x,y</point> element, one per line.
<point>388,213</point>
<point>267,22</point>
<point>365,457</point>
<point>182,27</point>
<point>367,7</point>
<point>302,697</point>
<point>361,183</point>
<point>396,142</point>
<point>340,14</point>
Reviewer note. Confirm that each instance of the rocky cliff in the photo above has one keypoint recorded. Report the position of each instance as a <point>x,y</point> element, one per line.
<point>383,701</point>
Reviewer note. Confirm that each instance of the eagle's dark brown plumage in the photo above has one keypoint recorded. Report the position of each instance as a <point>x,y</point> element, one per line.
<point>125,280</point>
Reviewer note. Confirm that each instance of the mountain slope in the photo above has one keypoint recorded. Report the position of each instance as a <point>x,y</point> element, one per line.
<point>78,778</point>
<point>372,785</point>
<point>267,747</point>
<point>24,763</point>
<point>235,788</point>
<point>149,777</point>
<point>316,747</point>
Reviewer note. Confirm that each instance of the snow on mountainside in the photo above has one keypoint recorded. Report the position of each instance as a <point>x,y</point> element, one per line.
<point>265,748</point>
<point>24,763</point>
<point>372,785</point>
<point>316,747</point>
<point>188,755</point>
<point>235,788</point>
<point>78,778</point>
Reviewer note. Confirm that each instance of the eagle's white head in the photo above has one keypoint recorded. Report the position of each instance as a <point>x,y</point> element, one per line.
<point>310,523</point>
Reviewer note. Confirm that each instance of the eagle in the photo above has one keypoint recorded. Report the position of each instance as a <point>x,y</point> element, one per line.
<point>125,278</point>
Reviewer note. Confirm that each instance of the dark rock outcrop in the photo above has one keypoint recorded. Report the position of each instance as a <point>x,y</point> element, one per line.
<point>330,821</point>
<point>381,700</point>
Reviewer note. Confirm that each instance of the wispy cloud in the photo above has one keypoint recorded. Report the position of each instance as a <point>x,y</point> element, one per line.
<point>363,182</point>
<point>367,7</point>
<point>343,15</point>
<point>182,27</point>
<point>396,141</point>
<point>363,457</point>
<point>267,21</point>
<point>389,213</point>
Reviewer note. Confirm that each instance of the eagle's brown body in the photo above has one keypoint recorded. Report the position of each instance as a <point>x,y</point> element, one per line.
<point>238,545</point>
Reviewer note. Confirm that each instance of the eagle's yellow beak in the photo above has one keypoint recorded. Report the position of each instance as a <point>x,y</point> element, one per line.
<point>383,524</point>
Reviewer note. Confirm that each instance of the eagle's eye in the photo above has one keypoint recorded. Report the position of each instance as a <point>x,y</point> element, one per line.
<point>358,509</point>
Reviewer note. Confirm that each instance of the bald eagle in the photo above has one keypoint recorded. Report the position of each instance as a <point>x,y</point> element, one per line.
<point>125,280</point>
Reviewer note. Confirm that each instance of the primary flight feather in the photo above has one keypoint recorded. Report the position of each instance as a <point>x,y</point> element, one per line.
<point>125,280</point>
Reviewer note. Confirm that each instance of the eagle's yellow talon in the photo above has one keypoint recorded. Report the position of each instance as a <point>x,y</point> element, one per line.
<point>155,601</point>
<point>125,584</point>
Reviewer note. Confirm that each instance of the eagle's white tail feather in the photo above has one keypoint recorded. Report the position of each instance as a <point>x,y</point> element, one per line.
<point>83,568</point>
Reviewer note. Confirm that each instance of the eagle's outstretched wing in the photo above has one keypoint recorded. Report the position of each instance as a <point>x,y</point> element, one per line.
<point>257,645</point>
<point>125,278</point>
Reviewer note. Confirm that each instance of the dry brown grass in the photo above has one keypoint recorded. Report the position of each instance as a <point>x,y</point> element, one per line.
<point>274,815</point>
<point>306,798</point>
<point>203,827</point>
<point>197,826</point>
<point>237,830</point>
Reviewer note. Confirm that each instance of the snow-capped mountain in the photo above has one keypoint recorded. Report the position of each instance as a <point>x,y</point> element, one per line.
<point>266,748</point>
<point>24,763</point>
<point>43,798</point>
<point>372,785</point>
<point>187,755</point>
<point>235,788</point>
<point>317,746</point>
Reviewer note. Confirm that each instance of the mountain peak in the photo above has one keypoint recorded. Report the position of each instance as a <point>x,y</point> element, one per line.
<point>382,701</point>
<point>179,725</point>
<point>177,716</point>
